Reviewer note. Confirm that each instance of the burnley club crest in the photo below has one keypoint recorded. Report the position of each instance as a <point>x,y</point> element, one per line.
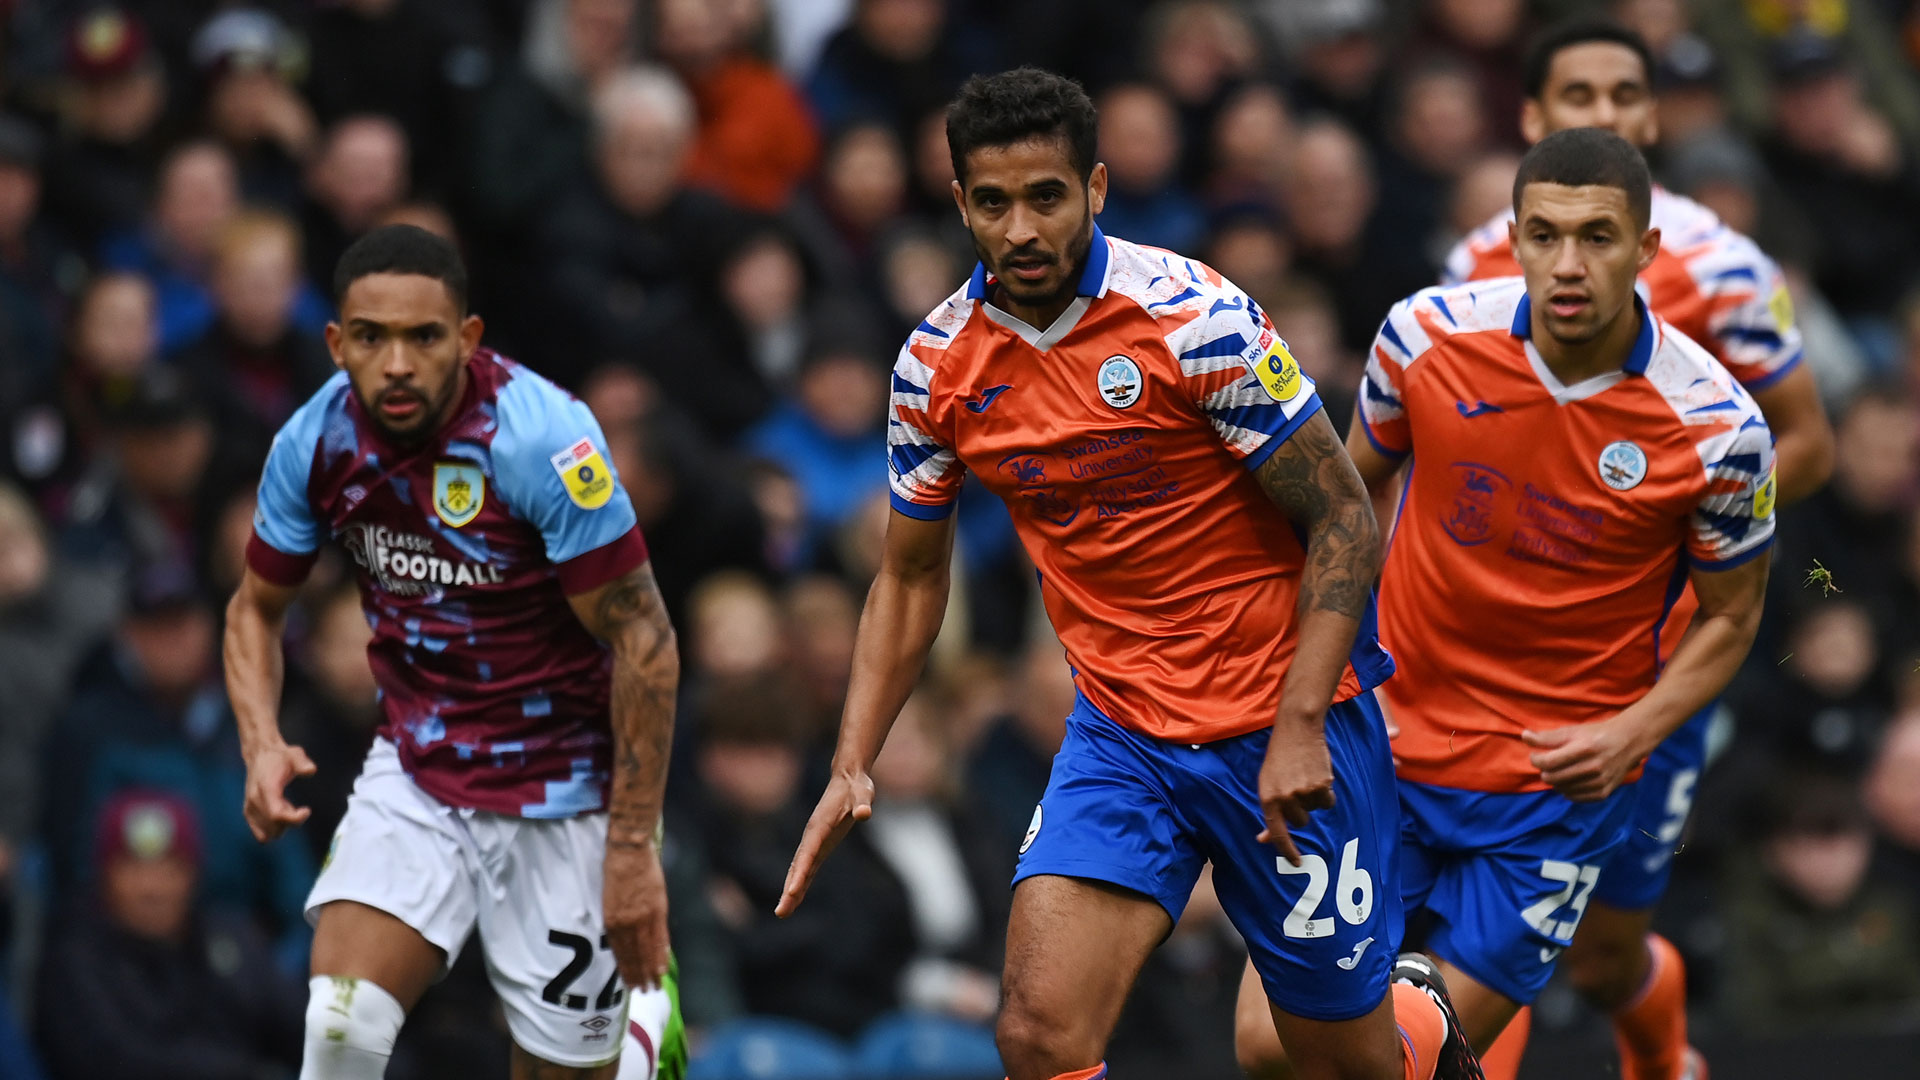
<point>459,490</point>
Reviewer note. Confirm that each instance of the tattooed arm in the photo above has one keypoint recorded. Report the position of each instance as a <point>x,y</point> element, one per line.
<point>1311,478</point>
<point>627,614</point>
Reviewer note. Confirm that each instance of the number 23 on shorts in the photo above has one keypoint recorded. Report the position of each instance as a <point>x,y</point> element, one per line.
<point>1352,894</point>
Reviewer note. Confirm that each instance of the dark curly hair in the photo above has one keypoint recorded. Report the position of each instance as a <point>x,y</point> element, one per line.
<point>999,110</point>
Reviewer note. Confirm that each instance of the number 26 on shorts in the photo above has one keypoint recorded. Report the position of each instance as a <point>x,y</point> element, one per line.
<point>1352,893</point>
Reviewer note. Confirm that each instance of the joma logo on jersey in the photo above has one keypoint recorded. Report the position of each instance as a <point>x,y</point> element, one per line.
<point>403,564</point>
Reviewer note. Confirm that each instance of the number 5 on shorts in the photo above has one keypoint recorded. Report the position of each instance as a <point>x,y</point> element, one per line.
<point>1353,893</point>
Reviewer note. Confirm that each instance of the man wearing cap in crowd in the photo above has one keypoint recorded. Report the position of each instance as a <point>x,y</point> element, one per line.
<point>100,173</point>
<point>143,981</point>
<point>148,710</point>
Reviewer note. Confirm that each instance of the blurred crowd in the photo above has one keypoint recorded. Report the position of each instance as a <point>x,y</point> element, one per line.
<point>715,221</point>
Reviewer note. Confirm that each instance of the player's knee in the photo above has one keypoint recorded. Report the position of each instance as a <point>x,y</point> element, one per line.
<point>1606,973</point>
<point>1257,1046</point>
<point>351,1026</point>
<point>1033,1043</point>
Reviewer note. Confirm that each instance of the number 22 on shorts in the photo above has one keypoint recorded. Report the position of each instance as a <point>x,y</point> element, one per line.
<point>1352,896</point>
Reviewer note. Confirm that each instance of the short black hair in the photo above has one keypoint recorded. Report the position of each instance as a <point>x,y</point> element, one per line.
<point>1013,106</point>
<point>402,249</point>
<point>1582,157</point>
<point>1583,30</point>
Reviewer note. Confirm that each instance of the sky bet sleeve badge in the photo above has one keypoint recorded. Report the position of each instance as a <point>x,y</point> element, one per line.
<point>1275,367</point>
<point>589,482</point>
<point>459,490</point>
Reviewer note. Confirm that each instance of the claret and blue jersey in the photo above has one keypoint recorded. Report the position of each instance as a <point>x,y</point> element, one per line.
<point>465,550</point>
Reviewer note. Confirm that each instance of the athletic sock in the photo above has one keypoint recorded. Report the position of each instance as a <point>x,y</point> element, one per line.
<point>1502,1059</point>
<point>1423,1031</point>
<point>1651,1028</point>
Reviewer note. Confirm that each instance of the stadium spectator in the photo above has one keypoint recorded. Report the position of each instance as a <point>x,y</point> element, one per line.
<point>938,843</point>
<point>893,63</point>
<point>1489,36</point>
<point>1008,767</point>
<point>820,615</point>
<point>1199,52</point>
<point>249,61</point>
<point>1437,134</point>
<point>362,172</point>
<point>697,516</point>
<point>59,431</point>
<point>148,711</point>
<point>263,356</point>
<point>917,271</point>
<point>1820,939</point>
<point>837,967</point>
<point>756,142</point>
<point>733,629</point>
<point>198,191</point>
<point>416,61</point>
<point>144,500</point>
<point>100,173</point>
<point>331,710</point>
<point>1251,248</point>
<point>633,256</point>
<point>831,433</point>
<point>51,614</point>
<point>528,134</point>
<point>1331,196</point>
<point>1252,140</point>
<point>1845,167</point>
<point>765,286</point>
<point>172,990</point>
<point>861,194</point>
<point>39,271</point>
<point>1340,47</point>
<point>1140,144</point>
<point>1856,526</point>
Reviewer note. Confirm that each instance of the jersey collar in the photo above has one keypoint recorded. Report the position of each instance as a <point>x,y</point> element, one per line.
<point>1637,359</point>
<point>1093,277</point>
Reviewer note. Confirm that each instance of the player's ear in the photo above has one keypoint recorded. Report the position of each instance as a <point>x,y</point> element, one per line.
<point>1533,121</point>
<point>1513,238</point>
<point>470,330</point>
<point>960,200</point>
<point>1097,188</point>
<point>1649,248</point>
<point>333,335</point>
<point>1653,122</point>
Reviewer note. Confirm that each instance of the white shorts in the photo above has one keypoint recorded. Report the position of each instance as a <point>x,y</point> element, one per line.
<point>531,885</point>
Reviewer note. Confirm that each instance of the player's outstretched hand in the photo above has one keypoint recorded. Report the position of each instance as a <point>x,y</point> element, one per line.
<point>1584,762</point>
<point>848,798</point>
<point>1296,779</point>
<point>634,898</point>
<point>268,773</point>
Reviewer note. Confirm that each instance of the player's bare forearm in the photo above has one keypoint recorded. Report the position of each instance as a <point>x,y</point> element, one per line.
<point>1313,481</point>
<point>1802,437</point>
<point>627,613</point>
<point>1715,646</point>
<point>252,655</point>
<point>903,613</point>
